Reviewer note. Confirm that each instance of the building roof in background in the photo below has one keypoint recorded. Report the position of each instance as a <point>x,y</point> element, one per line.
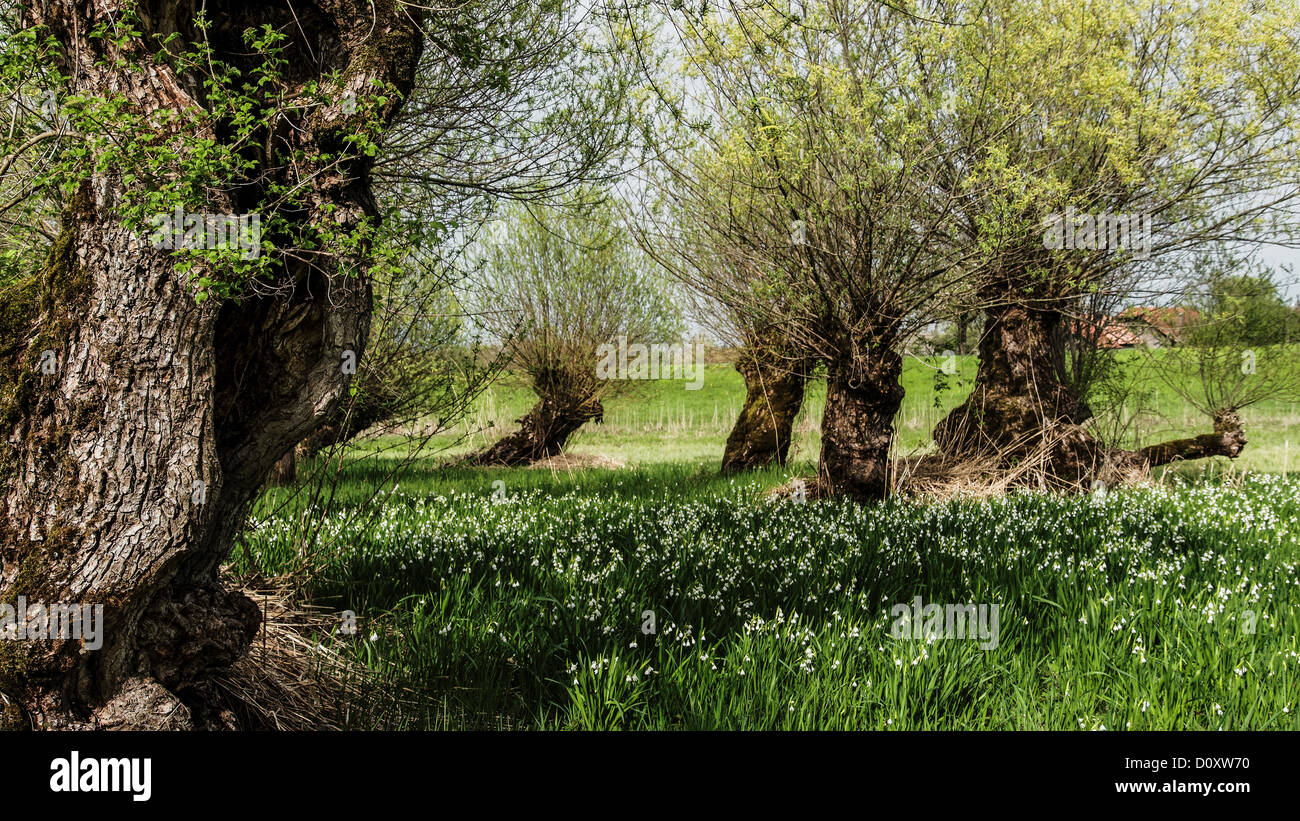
<point>1109,333</point>
<point>1168,322</point>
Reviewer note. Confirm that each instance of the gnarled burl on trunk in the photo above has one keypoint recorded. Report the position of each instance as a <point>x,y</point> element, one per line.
<point>127,472</point>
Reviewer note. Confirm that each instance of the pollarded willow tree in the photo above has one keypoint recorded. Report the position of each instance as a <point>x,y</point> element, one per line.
<point>1092,146</point>
<point>775,370</point>
<point>492,115</point>
<point>163,355</point>
<point>810,205</point>
<point>776,377</point>
<point>555,286</point>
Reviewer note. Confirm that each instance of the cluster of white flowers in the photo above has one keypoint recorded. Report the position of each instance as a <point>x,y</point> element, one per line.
<point>802,588</point>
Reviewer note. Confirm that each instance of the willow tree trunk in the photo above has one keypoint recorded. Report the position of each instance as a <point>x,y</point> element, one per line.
<point>127,472</point>
<point>543,432</point>
<point>379,399</point>
<point>1228,439</point>
<point>774,392</point>
<point>1020,405</point>
<point>1018,397</point>
<point>863,396</point>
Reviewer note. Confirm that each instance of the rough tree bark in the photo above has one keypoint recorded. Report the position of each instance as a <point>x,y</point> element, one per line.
<point>1018,397</point>
<point>774,391</point>
<point>127,473</point>
<point>863,395</point>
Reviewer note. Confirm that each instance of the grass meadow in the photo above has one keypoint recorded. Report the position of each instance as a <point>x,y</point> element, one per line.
<point>637,589</point>
<point>657,422</point>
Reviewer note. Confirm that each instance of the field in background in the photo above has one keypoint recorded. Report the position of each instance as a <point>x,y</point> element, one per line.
<point>660,421</point>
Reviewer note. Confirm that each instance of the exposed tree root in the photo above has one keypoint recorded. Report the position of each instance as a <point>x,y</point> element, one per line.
<point>1065,457</point>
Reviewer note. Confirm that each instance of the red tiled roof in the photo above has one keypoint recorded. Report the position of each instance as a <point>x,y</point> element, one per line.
<point>1108,333</point>
<point>1168,322</point>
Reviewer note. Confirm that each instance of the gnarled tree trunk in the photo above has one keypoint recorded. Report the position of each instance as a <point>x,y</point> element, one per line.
<point>1227,440</point>
<point>774,391</point>
<point>1019,398</point>
<point>863,395</point>
<point>568,399</point>
<point>542,433</point>
<point>127,473</point>
<point>1020,406</point>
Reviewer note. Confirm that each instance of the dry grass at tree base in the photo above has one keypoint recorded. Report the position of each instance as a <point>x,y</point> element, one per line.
<point>578,461</point>
<point>294,676</point>
<point>934,476</point>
